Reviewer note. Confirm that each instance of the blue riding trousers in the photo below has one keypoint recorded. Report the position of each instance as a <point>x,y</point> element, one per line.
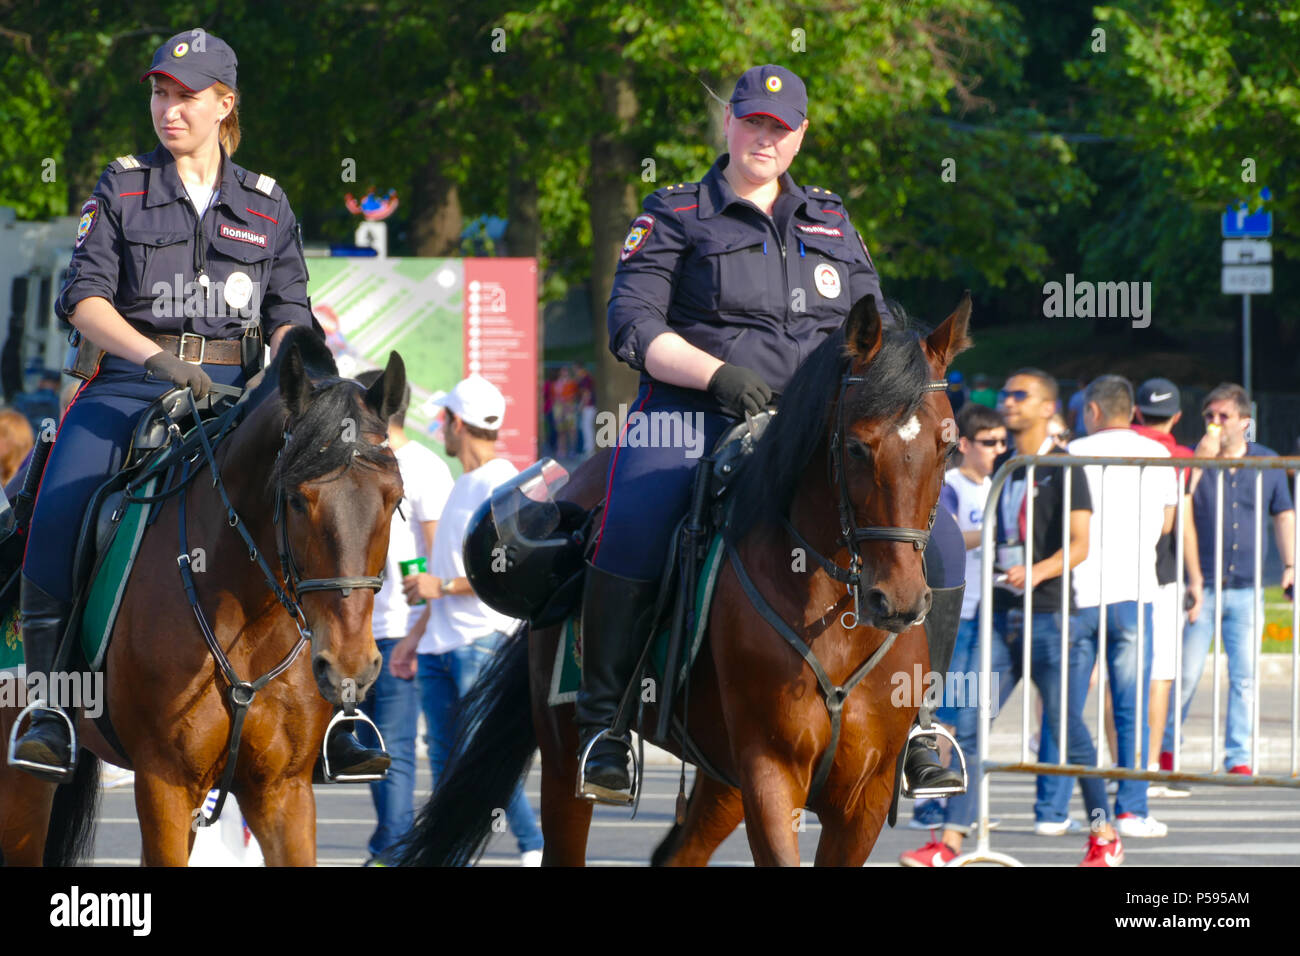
<point>92,443</point>
<point>648,489</point>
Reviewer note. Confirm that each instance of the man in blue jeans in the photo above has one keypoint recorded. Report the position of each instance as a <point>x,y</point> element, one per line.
<point>1027,404</point>
<point>463,632</point>
<point>1226,411</point>
<point>1136,507</point>
<point>393,703</point>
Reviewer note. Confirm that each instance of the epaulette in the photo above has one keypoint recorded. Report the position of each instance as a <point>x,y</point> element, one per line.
<point>816,192</point>
<point>678,189</point>
<point>124,163</point>
<point>261,182</point>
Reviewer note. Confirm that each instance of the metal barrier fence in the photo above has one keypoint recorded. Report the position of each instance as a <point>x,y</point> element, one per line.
<point>1212,467</point>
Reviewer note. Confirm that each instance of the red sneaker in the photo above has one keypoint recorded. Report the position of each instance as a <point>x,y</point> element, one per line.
<point>1241,768</point>
<point>1103,852</point>
<point>1166,760</point>
<point>934,853</point>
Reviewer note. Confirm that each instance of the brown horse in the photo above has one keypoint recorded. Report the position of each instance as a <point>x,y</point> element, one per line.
<point>755,710</point>
<point>318,443</point>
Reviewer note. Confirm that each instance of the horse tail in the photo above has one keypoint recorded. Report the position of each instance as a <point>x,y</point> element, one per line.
<point>492,753</point>
<point>71,835</point>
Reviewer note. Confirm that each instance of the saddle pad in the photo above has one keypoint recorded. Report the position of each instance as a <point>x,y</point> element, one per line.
<point>567,672</point>
<point>104,597</point>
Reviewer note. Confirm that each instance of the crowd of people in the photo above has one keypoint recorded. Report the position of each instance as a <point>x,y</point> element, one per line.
<point>1121,553</point>
<point>569,412</point>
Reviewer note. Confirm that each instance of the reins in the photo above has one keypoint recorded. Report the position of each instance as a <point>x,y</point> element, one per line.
<point>850,536</point>
<point>241,691</point>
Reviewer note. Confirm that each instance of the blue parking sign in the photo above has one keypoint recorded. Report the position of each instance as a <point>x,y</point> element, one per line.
<point>1240,223</point>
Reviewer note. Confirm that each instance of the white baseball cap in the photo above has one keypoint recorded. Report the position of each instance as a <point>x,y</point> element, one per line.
<point>475,401</point>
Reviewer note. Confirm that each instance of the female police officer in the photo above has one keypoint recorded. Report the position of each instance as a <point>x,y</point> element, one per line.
<point>723,288</point>
<point>180,254</point>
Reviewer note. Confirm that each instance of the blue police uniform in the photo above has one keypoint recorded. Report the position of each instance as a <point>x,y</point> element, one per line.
<point>141,245</point>
<point>758,291</point>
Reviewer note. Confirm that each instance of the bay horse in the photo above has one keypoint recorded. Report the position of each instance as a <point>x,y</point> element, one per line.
<point>309,473</point>
<point>755,710</point>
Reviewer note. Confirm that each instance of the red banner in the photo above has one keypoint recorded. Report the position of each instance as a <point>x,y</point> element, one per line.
<point>500,343</point>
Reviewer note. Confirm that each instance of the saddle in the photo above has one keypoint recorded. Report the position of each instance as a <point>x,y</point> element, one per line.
<point>686,587</point>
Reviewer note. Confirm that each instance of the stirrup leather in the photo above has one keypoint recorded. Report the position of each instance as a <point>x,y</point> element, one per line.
<point>601,795</point>
<point>53,774</point>
<point>936,730</point>
<point>329,775</point>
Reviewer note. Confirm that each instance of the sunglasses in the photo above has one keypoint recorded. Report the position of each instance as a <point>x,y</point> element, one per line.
<point>1018,394</point>
<point>991,442</point>
<point>1216,417</point>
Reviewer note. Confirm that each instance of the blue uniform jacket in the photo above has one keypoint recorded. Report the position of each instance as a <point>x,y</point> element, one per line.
<point>757,291</point>
<point>142,247</point>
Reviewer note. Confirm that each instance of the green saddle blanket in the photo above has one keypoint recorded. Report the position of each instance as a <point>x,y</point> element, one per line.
<point>567,672</point>
<point>103,597</point>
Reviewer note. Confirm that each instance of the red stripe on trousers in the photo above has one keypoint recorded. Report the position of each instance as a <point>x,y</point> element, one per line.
<point>609,485</point>
<point>47,460</point>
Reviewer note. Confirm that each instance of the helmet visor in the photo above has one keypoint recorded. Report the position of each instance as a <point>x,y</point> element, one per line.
<point>524,508</point>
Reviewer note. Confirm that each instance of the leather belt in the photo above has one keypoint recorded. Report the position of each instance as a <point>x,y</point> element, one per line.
<point>194,348</point>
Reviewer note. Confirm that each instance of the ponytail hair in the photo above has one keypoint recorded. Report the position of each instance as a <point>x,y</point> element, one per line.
<point>229,132</point>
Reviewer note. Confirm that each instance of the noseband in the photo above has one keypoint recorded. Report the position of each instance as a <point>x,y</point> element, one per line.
<point>850,534</point>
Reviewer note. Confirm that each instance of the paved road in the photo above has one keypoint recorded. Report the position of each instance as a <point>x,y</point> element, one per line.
<point>1215,826</point>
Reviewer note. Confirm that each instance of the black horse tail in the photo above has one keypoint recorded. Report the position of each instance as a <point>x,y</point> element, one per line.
<point>492,753</point>
<point>71,835</point>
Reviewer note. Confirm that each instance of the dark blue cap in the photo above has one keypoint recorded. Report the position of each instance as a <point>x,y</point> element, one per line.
<point>771,91</point>
<point>195,59</point>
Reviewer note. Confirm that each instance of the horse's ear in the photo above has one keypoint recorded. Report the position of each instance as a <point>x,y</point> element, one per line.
<point>864,332</point>
<point>295,384</point>
<point>385,396</point>
<point>950,339</point>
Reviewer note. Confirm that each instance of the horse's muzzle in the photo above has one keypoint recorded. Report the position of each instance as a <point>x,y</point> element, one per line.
<point>330,677</point>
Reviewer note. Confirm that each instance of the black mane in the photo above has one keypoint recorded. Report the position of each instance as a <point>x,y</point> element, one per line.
<point>317,447</point>
<point>894,390</point>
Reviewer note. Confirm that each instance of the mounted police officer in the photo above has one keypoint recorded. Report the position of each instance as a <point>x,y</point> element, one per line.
<point>724,287</point>
<point>184,264</point>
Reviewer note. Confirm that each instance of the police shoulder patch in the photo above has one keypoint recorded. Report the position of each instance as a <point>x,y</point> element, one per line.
<point>637,235</point>
<point>124,163</point>
<point>89,216</point>
<point>261,182</point>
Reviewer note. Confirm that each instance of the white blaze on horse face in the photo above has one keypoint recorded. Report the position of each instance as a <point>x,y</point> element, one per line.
<point>911,429</point>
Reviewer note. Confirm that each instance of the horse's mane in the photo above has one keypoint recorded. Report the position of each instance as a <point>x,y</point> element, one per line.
<point>318,446</point>
<point>894,389</point>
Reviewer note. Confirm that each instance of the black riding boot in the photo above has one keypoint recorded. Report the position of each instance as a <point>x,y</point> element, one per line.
<point>924,771</point>
<point>45,750</point>
<point>616,615</point>
<point>349,757</point>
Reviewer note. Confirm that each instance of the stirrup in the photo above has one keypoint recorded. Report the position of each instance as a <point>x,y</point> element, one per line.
<point>44,771</point>
<point>600,794</point>
<point>936,730</point>
<point>331,777</point>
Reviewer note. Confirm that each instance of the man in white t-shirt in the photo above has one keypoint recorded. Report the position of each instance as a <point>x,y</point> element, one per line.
<point>1132,508</point>
<point>982,436</point>
<point>463,633</point>
<point>394,702</point>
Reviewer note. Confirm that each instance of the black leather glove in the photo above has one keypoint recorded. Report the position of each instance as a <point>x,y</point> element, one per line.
<point>739,390</point>
<point>183,374</point>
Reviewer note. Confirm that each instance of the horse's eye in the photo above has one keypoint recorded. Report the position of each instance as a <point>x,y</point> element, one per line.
<point>859,451</point>
<point>297,503</point>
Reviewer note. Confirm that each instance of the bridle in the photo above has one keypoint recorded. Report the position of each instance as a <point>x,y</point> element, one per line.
<point>242,691</point>
<point>850,534</point>
<point>295,584</point>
